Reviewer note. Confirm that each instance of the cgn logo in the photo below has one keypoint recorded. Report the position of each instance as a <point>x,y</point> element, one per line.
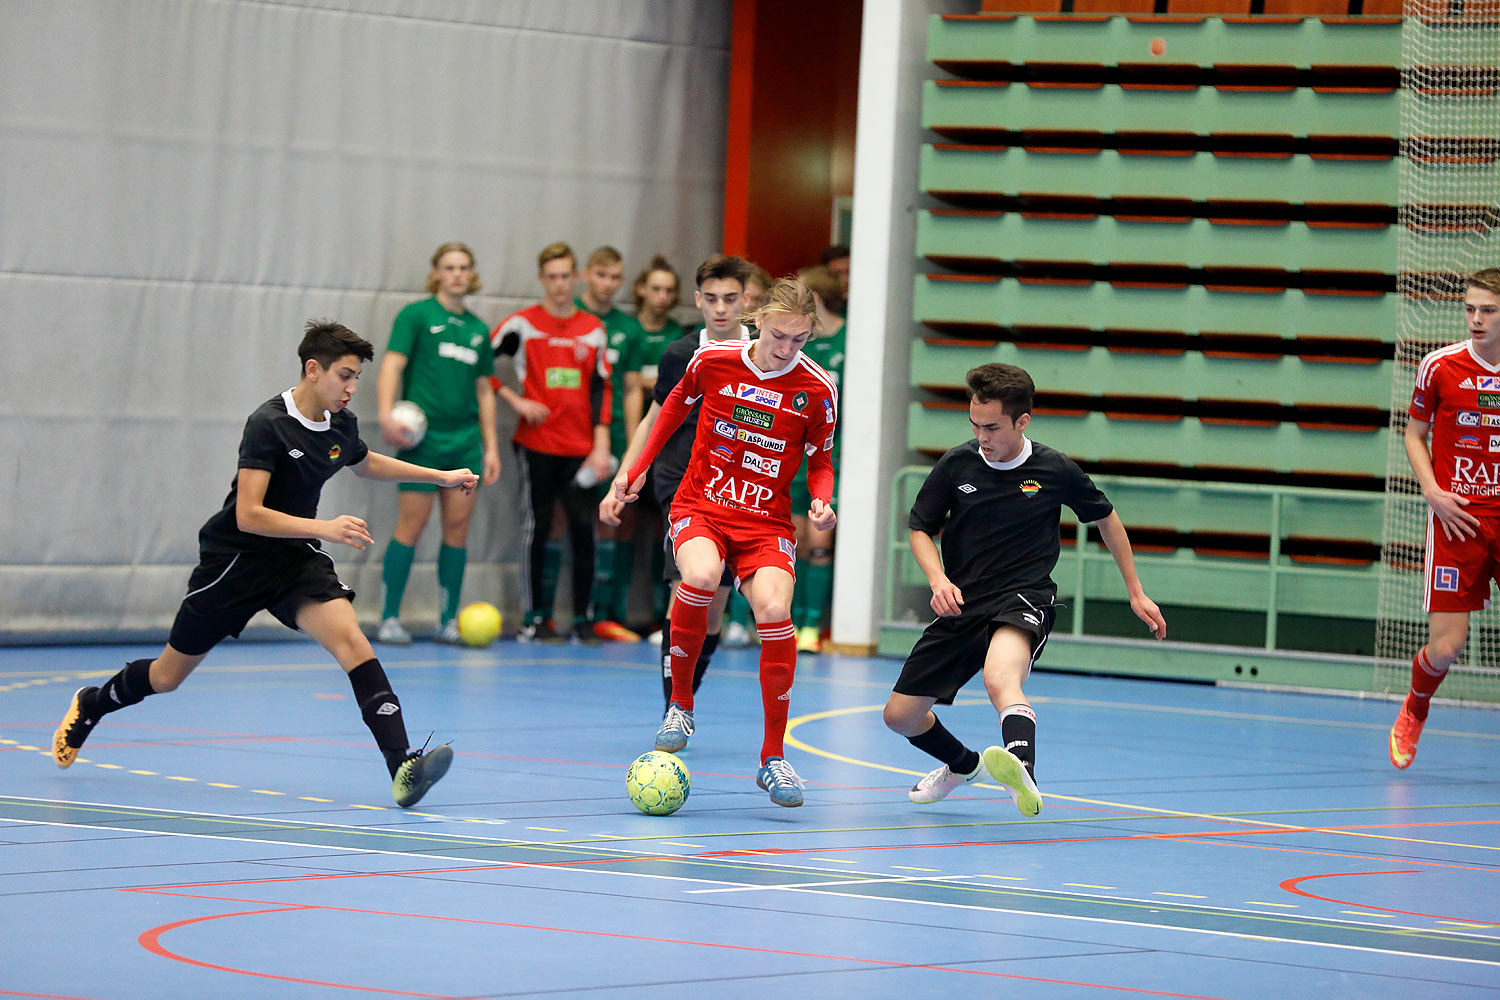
<point>1467,418</point>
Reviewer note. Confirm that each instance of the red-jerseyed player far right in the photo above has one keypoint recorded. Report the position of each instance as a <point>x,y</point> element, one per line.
<point>1457,398</point>
<point>764,405</point>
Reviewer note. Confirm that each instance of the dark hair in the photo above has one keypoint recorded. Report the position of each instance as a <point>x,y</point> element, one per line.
<point>326,341</point>
<point>1006,384</point>
<point>722,267</point>
<point>658,263</point>
<point>826,284</point>
<point>833,253</point>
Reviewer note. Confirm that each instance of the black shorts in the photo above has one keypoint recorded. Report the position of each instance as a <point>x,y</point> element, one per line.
<point>952,650</point>
<point>225,592</point>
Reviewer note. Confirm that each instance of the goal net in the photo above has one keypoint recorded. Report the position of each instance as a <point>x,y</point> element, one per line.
<point>1450,227</point>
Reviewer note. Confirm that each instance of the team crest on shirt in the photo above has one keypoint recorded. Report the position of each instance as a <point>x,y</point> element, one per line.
<point>799,402</point>
<point>1031,487</point>
<point>334,453</point>
<point>1445,578</point>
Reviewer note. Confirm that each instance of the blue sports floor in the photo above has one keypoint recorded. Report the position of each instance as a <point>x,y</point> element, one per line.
<point>237,839</point>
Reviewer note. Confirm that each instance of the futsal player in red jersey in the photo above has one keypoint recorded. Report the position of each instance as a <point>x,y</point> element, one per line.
<point>763,405</point>
<point>1457,398</point>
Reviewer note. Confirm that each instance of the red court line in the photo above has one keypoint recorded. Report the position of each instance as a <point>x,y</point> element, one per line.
<point>150,939</point>
<point>1291,885</point>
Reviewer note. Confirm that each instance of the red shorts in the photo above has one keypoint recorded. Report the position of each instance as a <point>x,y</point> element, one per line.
<point>1456,575</point>
<point>746,548</point>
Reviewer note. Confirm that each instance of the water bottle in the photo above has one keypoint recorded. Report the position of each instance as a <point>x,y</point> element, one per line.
<point>587,480</point>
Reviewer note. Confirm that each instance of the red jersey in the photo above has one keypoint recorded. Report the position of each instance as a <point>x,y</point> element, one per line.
<point>562,363</point>
<point>1459,395</point>
<point>753,429</point>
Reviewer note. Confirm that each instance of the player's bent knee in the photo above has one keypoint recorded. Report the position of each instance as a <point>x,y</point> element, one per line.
<point>900,719</point>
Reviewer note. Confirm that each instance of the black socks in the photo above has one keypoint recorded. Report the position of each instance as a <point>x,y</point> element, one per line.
<point>938,742</point>
<point>381,710</point>
<point>128,687</point>
<point>1018,734</point>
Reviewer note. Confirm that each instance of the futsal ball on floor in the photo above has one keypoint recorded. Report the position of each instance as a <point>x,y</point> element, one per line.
<point>410,416</point>
<point>657,783</point>
<point>479,624</point>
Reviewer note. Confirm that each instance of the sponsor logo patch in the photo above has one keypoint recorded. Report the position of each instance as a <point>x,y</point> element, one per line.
<point>1445,578</point>
<point>1467,418</point>
<point>1495,442</point>
<point>761,464</point>
<point>724,390</point>
<point>564,378</point>
<point>1031,487</point>
<point>759,394</point>
<point>1467,441</point>
<point>1467,383</point>
<point>1489,419</point>
<point>458,352</point>
<point>722,452</point>
<point>1488,382</point>
<point>1490,400</point>
<point>828,409</point>
<point>749,415</point>
<point>759,440</point>
<point>724,428</point>
<point>334,453</point>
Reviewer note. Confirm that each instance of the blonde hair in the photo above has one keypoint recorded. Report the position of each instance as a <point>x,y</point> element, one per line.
<point>658,263</point>
<point>1488,279</point>
<point>432,279</point>
<point>555,251</point>
<point>790,297</point>
<point>604,256</point>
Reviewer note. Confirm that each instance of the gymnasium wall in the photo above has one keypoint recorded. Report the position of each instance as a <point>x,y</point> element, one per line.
<point>187,181</point>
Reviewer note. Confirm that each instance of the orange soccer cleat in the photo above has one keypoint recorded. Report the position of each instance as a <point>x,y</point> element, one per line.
<point>1404,736</point>
<point>615,632</point>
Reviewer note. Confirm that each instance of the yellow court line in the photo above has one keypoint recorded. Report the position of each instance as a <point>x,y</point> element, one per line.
<point>1175,813</point>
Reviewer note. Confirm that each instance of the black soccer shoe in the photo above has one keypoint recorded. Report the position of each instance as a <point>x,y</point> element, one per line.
<point>419,772</point>
<point>73,730</point>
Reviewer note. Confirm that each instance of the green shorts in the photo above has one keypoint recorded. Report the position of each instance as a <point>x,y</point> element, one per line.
<point>445,448</point>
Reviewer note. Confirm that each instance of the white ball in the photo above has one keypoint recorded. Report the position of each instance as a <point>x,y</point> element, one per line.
<point>410,416</point>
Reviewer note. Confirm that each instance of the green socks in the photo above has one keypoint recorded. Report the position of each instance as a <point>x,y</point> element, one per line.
<point>451,562</point>
<point>393,573</point>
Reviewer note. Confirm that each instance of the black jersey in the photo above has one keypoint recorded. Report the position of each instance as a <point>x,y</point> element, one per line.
<point>672,461</point>
<point>300,454</point>
<point>999,527</point>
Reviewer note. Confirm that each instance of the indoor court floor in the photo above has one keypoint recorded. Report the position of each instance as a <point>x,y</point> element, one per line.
<point>237,839</point>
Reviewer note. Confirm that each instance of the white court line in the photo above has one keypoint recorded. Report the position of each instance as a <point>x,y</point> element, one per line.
<point>853,881</point>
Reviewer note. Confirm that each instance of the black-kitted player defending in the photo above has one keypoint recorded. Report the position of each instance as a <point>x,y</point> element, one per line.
<point>996,503</point>
<point>262,551</point>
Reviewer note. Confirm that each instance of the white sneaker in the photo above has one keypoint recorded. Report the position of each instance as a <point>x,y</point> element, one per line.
<point>736,634</point>
<point>1006,768</point>
<point>676,727</point>
<point>393,633</point>
<point>935,785</point>
<point>448,634</point>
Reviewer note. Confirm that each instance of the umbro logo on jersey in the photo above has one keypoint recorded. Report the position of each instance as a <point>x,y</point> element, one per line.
<point>1031,618</point>
<point>966,488</point>
<point>389,708</point>
<point>1467,383</point>
<point>295,453</point>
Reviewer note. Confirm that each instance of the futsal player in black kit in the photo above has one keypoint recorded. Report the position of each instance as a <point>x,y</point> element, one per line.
<point>262,551</point>
<point>995,503</point>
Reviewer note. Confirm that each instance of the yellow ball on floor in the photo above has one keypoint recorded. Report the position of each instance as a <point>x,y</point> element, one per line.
<point>479,624</point>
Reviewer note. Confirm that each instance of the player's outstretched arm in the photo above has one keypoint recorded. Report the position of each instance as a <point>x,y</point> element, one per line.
<point>1447,507</point>
<point>1112,531</point>
<point>252,515</point>
<point>388,469</point>
<point>947,599</point>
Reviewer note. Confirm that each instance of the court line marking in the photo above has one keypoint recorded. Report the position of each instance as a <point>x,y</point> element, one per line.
<point>593,867</point>
<point>1052,796</point>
